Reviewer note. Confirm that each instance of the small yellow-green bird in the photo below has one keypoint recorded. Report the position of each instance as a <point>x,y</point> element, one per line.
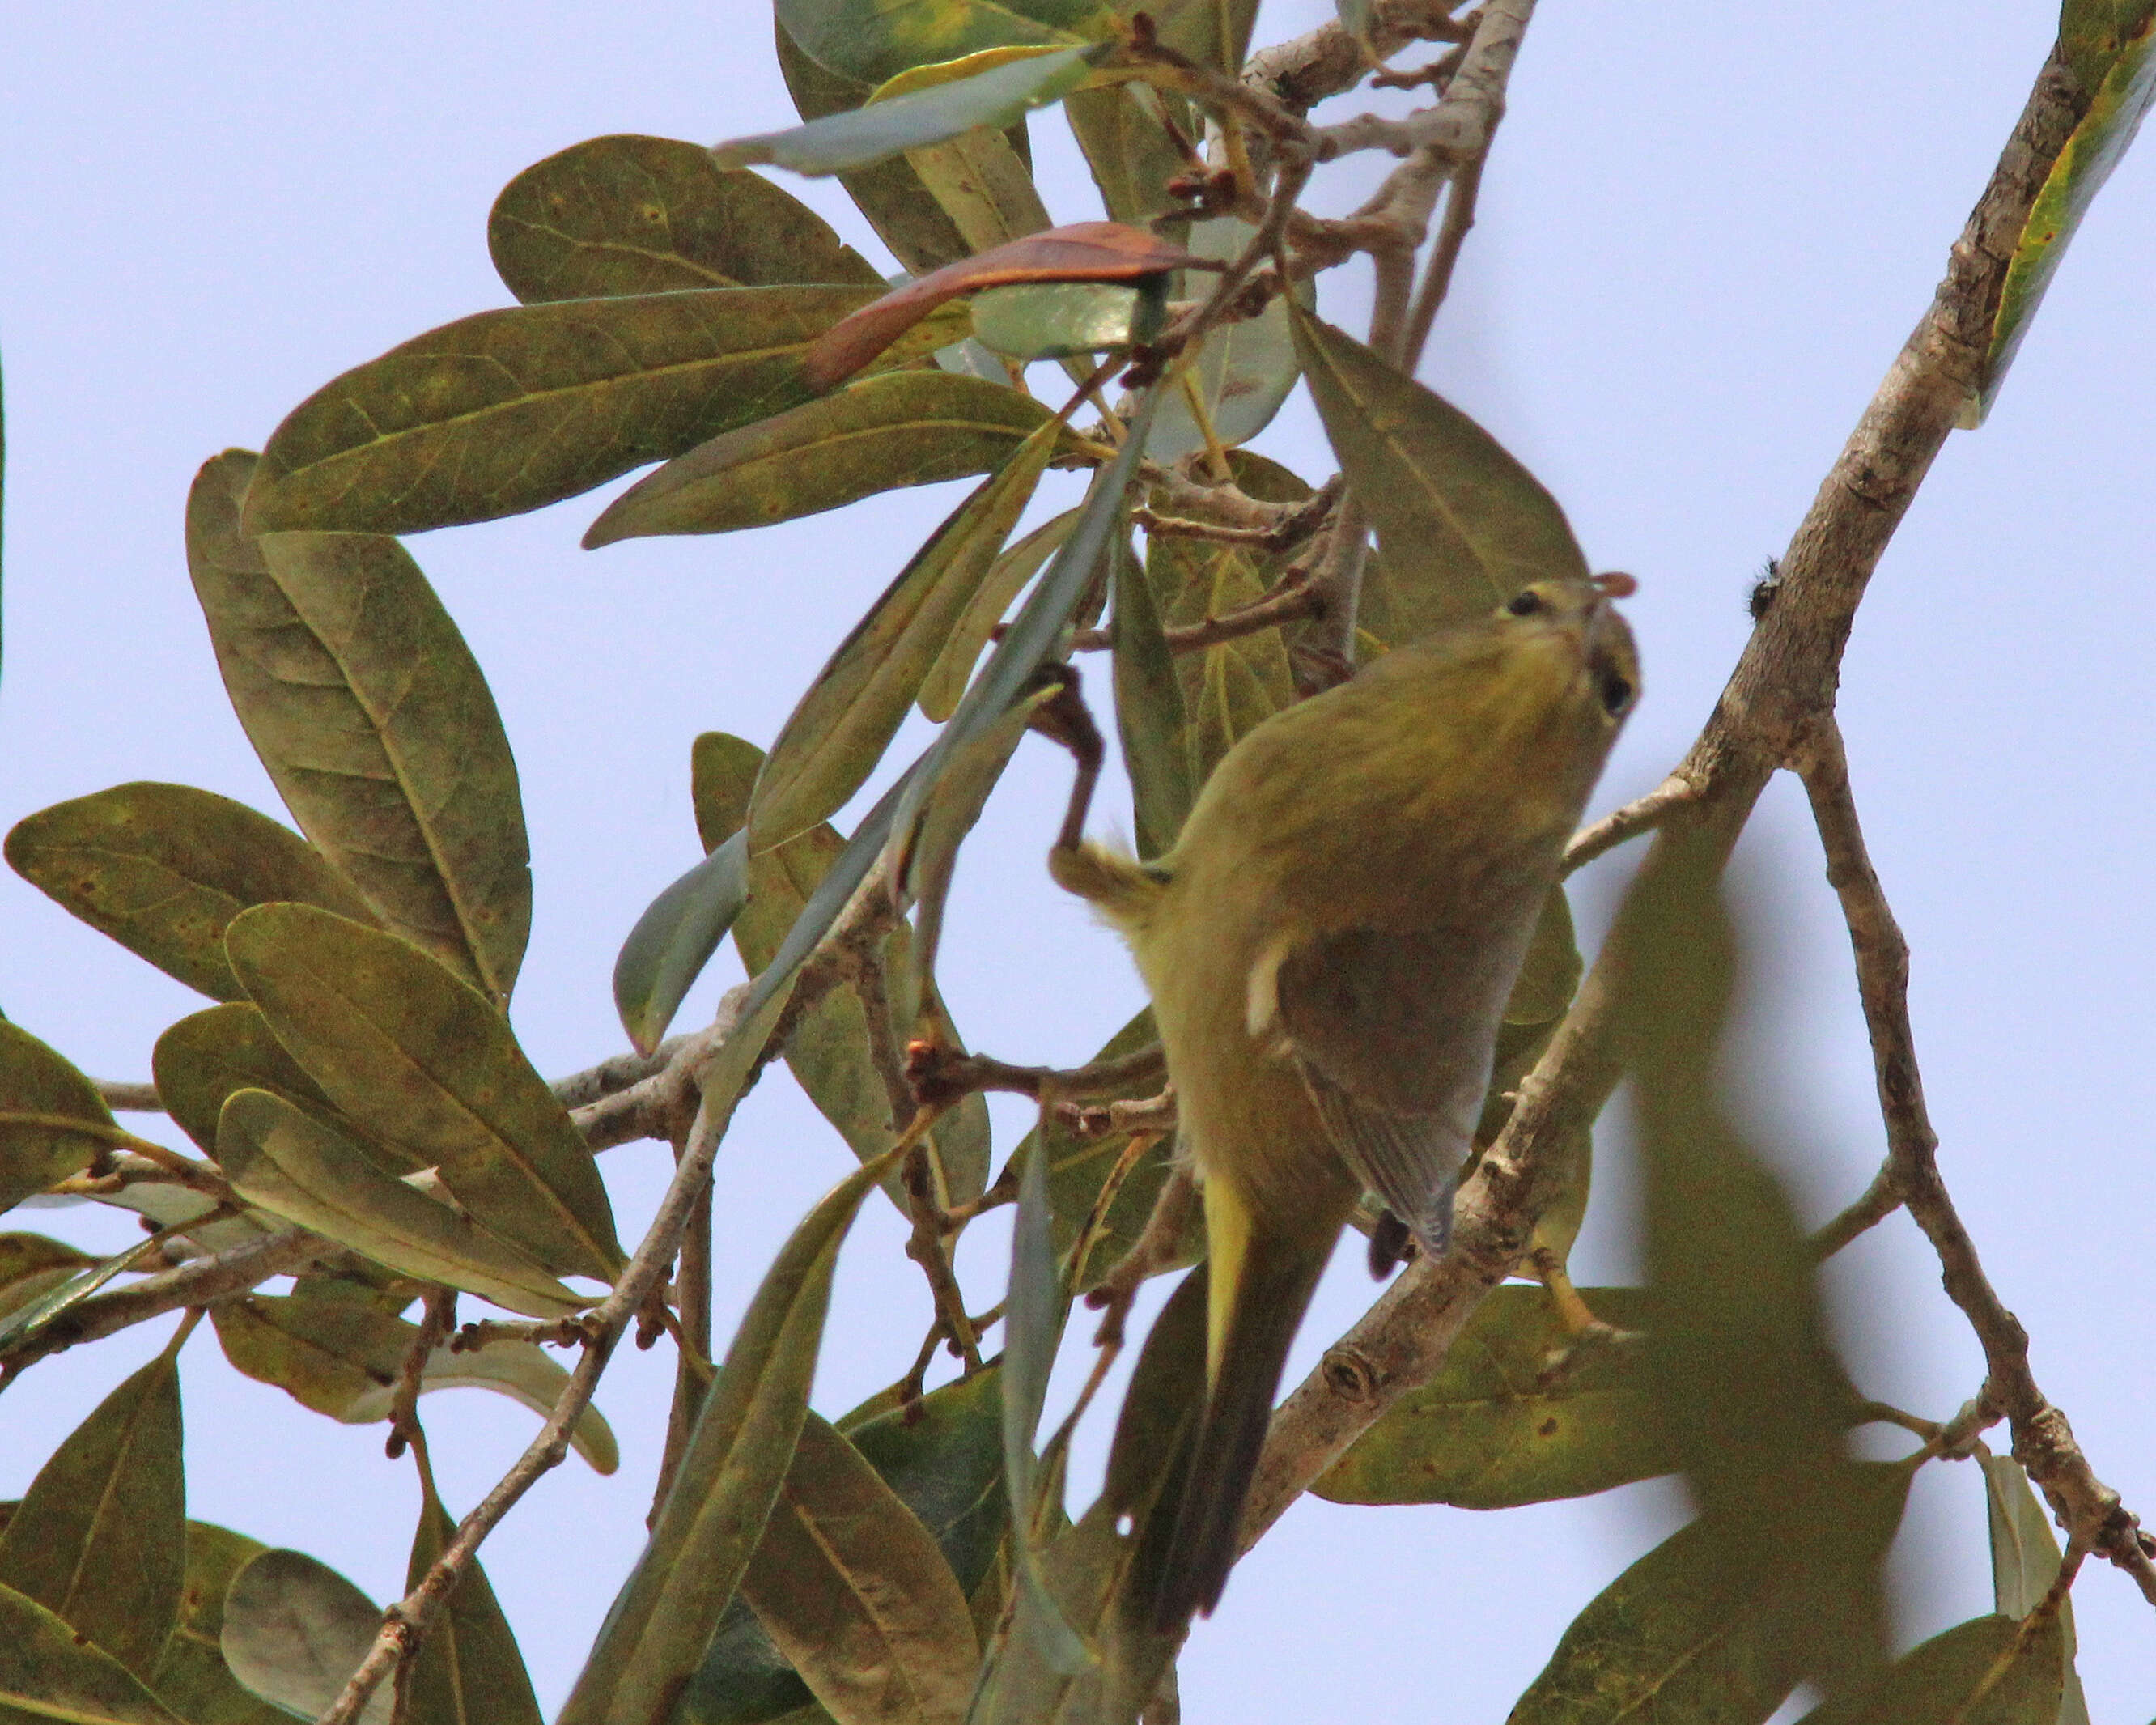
<point>1329,947</point>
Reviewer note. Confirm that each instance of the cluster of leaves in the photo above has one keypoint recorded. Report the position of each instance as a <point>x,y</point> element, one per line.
<point>367,1122</point>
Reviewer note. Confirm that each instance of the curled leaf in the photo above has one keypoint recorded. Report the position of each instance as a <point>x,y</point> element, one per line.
<point>1083,251</point>
<point>1000,87</point>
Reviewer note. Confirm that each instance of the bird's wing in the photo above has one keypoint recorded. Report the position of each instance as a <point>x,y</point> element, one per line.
<point>1393,1032</point>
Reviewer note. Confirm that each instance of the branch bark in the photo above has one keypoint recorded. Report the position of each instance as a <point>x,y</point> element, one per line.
<point>2090,1511</point>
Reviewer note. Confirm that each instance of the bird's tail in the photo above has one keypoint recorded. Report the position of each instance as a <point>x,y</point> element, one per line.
<point>1190,1542</point>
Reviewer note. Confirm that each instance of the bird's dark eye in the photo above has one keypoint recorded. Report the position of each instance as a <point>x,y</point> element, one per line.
<point>1616,691</point>
<point>1524,604</point>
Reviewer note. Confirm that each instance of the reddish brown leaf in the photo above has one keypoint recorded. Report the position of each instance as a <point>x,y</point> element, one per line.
<point>1083,251</point>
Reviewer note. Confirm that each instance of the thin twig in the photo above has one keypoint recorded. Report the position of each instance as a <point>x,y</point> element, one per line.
<point>1291,602</point>
<point>2090,1511</point>
<point>1154,1114</point>
<point>1459,128</point>
<point>435,1327</point>
<point>201,1282</point>
<point>1643,814</point>
<point>1443,257</point>
<point>122,1097</point>
<point>556,1332</point>
<point>1304,70</point>
<point>943,1072</point>
<point>1879,1201</point>
<point>692,1368</point>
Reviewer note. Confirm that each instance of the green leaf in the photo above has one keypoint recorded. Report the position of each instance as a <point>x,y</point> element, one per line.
<point>375,723</point>
<point>1462,526</point>
<point>624,215</point>
<point>1242,372</point>
<point>1036,1304</point>
<point>1669,1640</point>
<point>31,1267</point>
<point>1213,33</point>
<point>340,1357</point>
<point>722,770</point>
<point>420,1058</point>
<point>294,1631</point>
<point>1149,716</point>
<point>1752,1401</point>
<point>1128,148</point>
<point>1063,320</point>
<point>1088,1568</point>
<point>1233,686</point>
<point>502,413</point>
<point>1001,93</point>
<point>945,682</point>
<point>162,868</point>
<point>40,1093</point>
<point>99,1537</point>
<point>2112,49</point>
<point>468,1669</point>
<point>298,1168</point>
<point>49,1671</point>
<point>925,859</point>
<point>1949,1678</point>
<point>2025,1563</point>
<point>837,733</point>
<point>206,1057</point>
<point>1550,975</point>
<point>729,1477</point>
<point>674,938</point>
<point>1079,1168</point>
<point>191,1675</point>
<point>942,1456</point>
<point>1485,1433</point>
<point>985,185</point>
<point>905,217</point>
<point>894,429</point>
<point>872,40</point>
<point>855,1594</point>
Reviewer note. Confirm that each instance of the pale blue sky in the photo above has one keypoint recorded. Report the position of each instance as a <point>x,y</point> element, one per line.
<point>1704,233</point>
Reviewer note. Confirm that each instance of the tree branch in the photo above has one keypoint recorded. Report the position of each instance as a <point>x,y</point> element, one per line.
<point>201,1282</point>
<point>2090,1511</point>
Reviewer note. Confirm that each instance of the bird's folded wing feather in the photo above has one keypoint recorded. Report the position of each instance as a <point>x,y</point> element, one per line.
<point>1391,1031</point>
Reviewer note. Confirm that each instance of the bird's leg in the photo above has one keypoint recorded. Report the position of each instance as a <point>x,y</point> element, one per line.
<point>1063,718</point>
<point>1571,1312</point>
